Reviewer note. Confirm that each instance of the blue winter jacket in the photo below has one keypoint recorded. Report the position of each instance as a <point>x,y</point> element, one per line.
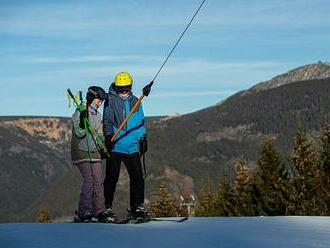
<point>115,111</point>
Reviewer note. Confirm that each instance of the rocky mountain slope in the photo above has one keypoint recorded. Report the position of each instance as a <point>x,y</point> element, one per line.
<point>307,72</point>
<point>33,153</point>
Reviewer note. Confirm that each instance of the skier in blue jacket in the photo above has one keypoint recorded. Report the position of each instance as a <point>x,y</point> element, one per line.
<point>127,146</point>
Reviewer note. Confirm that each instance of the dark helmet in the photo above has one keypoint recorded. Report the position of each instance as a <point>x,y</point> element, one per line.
<point>95,92</point>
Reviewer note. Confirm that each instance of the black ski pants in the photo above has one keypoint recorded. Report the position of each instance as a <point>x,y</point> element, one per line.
<point>134,169</point>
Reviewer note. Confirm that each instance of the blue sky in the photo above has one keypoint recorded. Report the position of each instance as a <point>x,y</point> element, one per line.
<point>49,46</point>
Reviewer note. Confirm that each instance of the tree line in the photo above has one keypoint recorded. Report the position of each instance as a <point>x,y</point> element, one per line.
<point>297,185</point>
<point>294,184</point>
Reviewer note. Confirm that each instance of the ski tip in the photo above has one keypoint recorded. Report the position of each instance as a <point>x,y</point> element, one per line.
<point>184,219</point>
<point>171,219</point>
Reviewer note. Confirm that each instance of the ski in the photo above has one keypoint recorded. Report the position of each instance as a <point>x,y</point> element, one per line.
<point>141,220</point>
<point>170,220</point>
<point>136,221</point>
<point>132,221</point>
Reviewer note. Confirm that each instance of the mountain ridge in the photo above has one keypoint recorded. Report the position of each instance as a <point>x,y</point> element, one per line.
<point>320,70</point>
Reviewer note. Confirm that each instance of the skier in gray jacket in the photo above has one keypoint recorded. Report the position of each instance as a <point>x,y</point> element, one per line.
<point>87,157</point>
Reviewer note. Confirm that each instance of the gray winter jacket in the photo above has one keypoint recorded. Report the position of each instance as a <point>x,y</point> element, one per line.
<point>79,144</point>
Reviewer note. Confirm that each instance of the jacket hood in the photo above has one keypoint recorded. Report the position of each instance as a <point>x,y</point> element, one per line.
<point>112,90</point>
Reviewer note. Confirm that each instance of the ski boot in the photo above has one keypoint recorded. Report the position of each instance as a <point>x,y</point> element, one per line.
<point>107,216</point>
<point>138,215</point>
<point>82,217</point>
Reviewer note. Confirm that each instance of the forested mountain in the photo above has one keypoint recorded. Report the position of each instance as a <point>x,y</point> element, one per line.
<point>186,151</point>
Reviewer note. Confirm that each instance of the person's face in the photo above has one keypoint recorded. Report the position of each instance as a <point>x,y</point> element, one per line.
<point>97,102</point>
<point>124,91</point>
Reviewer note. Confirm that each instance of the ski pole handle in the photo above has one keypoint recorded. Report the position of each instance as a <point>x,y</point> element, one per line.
<point>70,93</point>
<point>80,97</point>
<point>73,98</point>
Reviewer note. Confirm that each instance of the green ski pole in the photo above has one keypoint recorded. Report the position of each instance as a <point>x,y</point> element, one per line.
<point>99,142</point>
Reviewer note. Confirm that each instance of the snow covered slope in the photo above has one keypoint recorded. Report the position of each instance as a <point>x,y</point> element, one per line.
<point>196,232</point>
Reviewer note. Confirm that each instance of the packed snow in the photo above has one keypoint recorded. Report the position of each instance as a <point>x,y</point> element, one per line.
<point>195,232</point>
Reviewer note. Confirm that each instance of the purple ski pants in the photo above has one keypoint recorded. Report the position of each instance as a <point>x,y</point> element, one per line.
<point>91,193</point>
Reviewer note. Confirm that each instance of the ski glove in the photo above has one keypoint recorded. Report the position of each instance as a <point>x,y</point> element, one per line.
<point>143,145</point>
<point>108,142</point>
<point>83,115</point>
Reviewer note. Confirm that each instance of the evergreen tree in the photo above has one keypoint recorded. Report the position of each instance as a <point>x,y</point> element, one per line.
<point>43,215</point>
<point>162,204</point>
<point>206,205</point>
<point>222,199</point>
<point>270,182</point>
<point>306,163</point>
<point>325,169</point>
<point>242,200</point>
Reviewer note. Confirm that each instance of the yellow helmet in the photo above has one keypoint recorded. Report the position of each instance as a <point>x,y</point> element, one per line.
<point>123,79</point>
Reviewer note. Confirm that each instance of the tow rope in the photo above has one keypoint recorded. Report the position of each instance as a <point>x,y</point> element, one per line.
<point>146,90</point>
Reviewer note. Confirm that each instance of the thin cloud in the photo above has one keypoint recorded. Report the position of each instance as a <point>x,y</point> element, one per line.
<point>183,67</point>
<point>196,72</point>
<point>73,18</point>
<point>268,14</point>
<point>91,59</point>
<point>84,19</point>
<point>196,93</point>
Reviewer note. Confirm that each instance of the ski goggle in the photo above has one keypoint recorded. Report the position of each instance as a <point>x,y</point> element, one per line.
<point>124,89</point>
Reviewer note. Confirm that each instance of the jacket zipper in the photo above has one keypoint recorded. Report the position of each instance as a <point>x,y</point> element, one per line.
<point>124,115</point>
